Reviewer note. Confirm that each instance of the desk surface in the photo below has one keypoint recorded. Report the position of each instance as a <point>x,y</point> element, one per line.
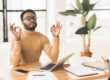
<point>7,73</point>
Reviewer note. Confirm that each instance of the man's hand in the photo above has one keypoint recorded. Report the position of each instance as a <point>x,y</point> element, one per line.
<point>56,29</point>
<point>16,33</point>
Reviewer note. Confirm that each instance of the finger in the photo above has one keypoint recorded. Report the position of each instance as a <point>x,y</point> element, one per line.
<point>15,28</point>
<point>11,26</point>
<point>57,24</point>
<point>20,30</point>
<point>60,26</point>
<point>53,28</point>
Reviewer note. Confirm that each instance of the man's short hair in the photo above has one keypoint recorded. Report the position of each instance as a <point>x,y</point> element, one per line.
<point>26,11</point>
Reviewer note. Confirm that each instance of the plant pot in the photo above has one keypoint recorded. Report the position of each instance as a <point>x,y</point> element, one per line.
<point>88,54</point>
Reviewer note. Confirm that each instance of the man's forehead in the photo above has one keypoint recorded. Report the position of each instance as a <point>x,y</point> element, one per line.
<point>29,14</point>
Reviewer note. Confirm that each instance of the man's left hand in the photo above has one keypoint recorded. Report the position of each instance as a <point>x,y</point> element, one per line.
<point>56,29</point>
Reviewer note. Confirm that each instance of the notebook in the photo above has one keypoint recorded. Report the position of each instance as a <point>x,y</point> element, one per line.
<point>81,71</point>
<point>41,76</point>
<point>52,66</point>
<point>95,64</point>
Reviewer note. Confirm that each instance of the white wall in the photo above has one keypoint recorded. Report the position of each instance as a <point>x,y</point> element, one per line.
<point>4,54</point>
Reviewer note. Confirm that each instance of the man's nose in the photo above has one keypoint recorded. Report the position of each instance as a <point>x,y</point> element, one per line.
<point>32,20</point>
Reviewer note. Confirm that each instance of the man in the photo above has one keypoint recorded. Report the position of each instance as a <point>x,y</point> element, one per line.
<point>27,45</point>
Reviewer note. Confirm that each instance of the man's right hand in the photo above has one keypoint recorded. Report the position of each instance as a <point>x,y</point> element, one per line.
<point>16,33</point>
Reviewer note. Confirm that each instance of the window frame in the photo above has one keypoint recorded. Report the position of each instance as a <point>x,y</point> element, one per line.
<point>5,22</point>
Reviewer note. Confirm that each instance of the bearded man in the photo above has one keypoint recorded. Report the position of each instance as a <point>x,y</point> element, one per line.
<point>27,44</point>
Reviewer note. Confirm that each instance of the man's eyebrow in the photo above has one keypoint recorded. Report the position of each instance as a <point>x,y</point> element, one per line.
<point>30,16</point>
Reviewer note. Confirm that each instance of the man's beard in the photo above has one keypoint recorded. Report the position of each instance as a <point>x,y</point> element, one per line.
<point>30,28</point>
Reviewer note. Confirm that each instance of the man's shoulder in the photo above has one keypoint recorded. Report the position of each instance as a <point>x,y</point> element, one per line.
<point>41,35</point>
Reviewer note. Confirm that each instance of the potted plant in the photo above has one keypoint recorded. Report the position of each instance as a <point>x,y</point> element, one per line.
<point>88,26</point>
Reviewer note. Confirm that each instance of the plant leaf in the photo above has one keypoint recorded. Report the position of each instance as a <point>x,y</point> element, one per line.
<point>91,6</point>
<point>92,22</point>
<point>77,11</point>
<point>86,4</point>
<point>79,5</point>
<point>68,12</point>
<point>97,28</point>
<point>83,30</point>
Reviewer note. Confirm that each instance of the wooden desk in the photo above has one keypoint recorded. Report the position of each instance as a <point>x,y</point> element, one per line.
<point>9,74</point>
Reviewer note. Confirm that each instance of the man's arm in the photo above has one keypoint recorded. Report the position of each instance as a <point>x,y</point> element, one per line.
<point>16,56</point>
<point>53,51</point>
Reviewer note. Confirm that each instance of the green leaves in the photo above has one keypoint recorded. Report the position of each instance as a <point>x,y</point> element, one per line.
<point>70,12</point>
<point>79,5</point>
<point>92,22</point>
<point>86,4</point>
<point>83,30</point>
<point>91,6</point>
<point>97,28</point>
<point>83,9</point>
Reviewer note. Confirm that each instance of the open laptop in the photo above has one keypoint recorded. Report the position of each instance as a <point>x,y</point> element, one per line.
<point>53,66</point>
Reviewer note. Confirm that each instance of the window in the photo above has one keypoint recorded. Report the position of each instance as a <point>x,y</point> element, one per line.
<point>13,11</point>
<point>1,21</point>
<point>1,5</point>
<point>1,26</point>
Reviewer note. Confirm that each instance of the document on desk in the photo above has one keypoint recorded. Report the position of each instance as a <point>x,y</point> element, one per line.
<point>95,64</point>
<point>81,71</point>
<point>41,76</point>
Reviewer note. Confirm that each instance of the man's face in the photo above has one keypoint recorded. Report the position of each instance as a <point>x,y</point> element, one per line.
<point>29,21</point>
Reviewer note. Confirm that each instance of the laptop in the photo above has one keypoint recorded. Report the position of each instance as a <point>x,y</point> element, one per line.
<point>52,66</point>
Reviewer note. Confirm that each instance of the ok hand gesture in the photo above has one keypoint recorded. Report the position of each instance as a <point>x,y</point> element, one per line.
<point>56,29</point>
<point>16,33</point>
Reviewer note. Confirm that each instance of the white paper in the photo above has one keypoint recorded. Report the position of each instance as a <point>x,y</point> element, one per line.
<point>41,76</point>
<point>81,70</point>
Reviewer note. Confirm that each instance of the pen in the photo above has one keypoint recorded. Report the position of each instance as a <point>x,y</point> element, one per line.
<point>39,75</point>
<point>103,59</point>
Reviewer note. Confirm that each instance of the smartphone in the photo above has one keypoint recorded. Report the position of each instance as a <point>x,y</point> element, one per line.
<point>21,71</point>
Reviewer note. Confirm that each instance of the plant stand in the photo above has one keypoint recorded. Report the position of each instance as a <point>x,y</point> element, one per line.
<point>88,54</point>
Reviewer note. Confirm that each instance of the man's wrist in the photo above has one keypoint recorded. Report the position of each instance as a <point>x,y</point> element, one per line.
<point>55,35</point>
<point>17,39</point>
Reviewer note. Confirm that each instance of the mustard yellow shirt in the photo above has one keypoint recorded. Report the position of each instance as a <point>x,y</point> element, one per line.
<point>30,46</point>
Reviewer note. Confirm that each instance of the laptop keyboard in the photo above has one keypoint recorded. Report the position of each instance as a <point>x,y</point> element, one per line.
<point>48,67</point>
